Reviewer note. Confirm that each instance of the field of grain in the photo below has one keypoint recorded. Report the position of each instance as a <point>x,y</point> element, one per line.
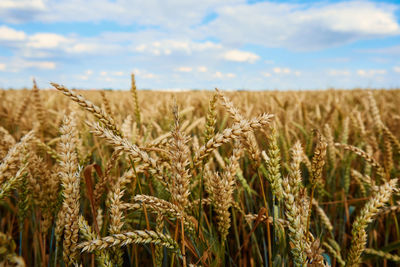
<point>144,178</point>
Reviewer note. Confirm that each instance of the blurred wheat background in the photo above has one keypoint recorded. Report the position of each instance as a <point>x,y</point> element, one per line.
<point>199,178</point>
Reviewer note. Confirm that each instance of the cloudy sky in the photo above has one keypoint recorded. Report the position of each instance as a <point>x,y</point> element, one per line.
<point>230,44</point>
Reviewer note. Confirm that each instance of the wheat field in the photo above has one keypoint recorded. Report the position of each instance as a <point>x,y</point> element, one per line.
<point>199,178</point>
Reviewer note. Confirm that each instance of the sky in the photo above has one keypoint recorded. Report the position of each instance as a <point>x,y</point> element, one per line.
<point>200,44</point>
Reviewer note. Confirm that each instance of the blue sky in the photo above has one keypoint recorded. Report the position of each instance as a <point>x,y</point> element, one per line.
<point>173,44</point>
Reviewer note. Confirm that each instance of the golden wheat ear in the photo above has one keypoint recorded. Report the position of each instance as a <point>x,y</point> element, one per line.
<point>135,99</point>
<point>70,181</point>
<point>100,114</point>
<point>366,216</point>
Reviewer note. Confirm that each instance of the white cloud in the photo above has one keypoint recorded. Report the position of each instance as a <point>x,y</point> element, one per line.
<point>103,73</point>
<point>17,11</point>
<point>220,75</point>
<point>184,69</point>
<point>149,76</point>
<point>18,64</point>
<point>2,67</point>
<point>46,40</point>
<point>181,14</point>
<point>144,74</point>
<point>303,27</point>
<point>240,56</point>
<point>166,47</point>
<point>392,50</point>
<point>9,34</point>
<point>370,73</point>
<point>47,45</point>
<point>266,74</point>
<point>270,24</point>
<point>339,72</point>
<point>118,73</point>
<point>47,65</point>
<point>202,69</point>
<point>206,47</point>
<point>87,48</point>
<point>22,4</point>
<point>279,70</point>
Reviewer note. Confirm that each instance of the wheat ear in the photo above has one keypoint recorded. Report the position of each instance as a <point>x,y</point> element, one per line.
<point>235,132</point>
<point>39,106</point>
<point>318,162</point>
<point>70,181</point>
<point>6,142</point>
<point>134,237</point>
<point>12,183</point>
<point>100,114</point>
<point>8,257</point>
<point>106,103</point>
<point>367,214</point>
<point>393,139</point>
<point>296,230</point>
<point>335,253</point>
<point>211,119</point>
<point>331,144</point>
<point>249,138</point>
<point>164,208</point>
<point>179,155</point>
<point>12,159</point>
<point>135,153</point>
<point>375,112</point>
<point>116,218</point>
<point>22,108</point>
<point>135,98</point>
<point>272,160</point>
<point>324,218</point>
<point>380,171</point>
<point>102,257</point>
